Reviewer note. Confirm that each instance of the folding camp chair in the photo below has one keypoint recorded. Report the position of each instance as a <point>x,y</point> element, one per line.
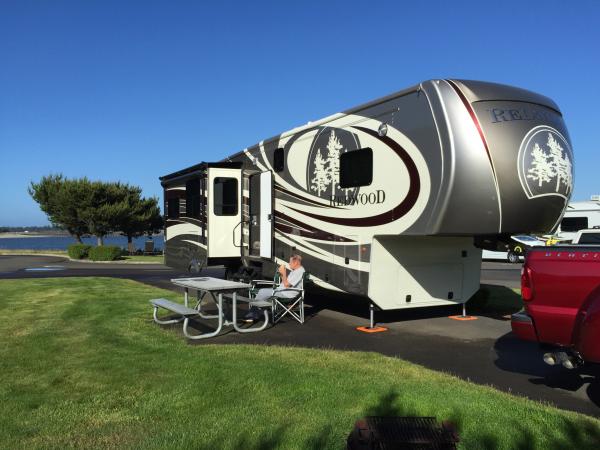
<point>281,305</point>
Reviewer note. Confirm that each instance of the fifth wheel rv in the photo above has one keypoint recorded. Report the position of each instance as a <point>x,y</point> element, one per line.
<point>392,200</point>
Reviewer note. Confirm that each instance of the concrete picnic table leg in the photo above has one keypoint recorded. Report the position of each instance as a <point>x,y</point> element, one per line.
<point>247,330</point>
<point>206,335</point>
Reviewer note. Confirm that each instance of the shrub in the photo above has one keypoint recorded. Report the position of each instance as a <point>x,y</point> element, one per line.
<point>78,251</point>
<point>105,253</point>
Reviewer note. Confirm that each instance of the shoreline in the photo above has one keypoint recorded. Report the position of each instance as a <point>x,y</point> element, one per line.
<point>12,235</point>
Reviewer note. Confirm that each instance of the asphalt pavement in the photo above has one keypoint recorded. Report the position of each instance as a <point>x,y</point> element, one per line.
<point>483,351</point>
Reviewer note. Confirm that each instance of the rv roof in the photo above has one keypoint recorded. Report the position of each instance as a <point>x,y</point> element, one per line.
<point>324,120</point>
<point>475,91</point>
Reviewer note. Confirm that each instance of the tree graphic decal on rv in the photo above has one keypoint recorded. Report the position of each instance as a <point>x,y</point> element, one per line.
<point>545,163</point>
<point>321,177</point>
<point>327,170</point>
<point>541,169</point>
<point>546,166</point>
<point>323,165</point>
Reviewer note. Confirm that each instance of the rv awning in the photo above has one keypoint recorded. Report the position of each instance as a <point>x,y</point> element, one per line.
<point>199,168</point>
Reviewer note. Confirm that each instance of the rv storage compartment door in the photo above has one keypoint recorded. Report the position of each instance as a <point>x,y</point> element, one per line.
<point>266,215</point>
<point>224,212</point>
<point>413,271</point>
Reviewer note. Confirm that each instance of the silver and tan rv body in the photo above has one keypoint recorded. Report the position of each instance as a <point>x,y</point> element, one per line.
<point>392,200</point>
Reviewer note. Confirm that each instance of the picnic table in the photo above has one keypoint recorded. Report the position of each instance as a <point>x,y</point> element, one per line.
<point>214,288</point>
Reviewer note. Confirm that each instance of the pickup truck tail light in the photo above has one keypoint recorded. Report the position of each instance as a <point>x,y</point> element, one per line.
<point>526,284</point>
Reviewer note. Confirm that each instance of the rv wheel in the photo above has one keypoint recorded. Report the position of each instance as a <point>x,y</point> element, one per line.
<point>512,257</point>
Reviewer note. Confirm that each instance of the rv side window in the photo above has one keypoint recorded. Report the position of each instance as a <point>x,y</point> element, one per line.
<point>356,168</point>
<point>173,208</point>
<point>574,223</point>
<point>278,160</point>
<point>225,196</point>
<point>192,198</point>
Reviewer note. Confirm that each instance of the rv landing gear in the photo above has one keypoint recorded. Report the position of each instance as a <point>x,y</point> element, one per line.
<point>371,328</point>
<point>463,316</point>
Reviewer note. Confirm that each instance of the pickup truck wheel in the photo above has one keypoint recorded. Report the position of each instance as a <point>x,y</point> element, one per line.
<point>512,257</point>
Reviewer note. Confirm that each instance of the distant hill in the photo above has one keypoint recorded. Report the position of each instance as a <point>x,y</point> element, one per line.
<point>34,230</point>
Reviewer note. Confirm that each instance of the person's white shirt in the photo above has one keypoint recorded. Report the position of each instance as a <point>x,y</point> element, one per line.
<point>294,278</point>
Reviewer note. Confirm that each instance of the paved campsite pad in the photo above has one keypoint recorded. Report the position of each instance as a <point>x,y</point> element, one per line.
<point>483,350</point>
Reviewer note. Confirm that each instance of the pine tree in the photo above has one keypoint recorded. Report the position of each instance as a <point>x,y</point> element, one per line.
<point>558,166</point>
<point>333,160</point>
<point>567,168</point>
<point>321,179</point>
<point>541,167</point>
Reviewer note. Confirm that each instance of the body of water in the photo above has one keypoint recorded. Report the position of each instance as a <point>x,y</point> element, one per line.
<point>62,242</point>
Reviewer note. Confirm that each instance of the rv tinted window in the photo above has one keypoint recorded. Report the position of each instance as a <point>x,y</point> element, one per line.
<point>278,160</point>
<point>574,223</point>
<point>356,168</point>
<point>173,208</point>
<point>225,196</point>
<point>192,198</point>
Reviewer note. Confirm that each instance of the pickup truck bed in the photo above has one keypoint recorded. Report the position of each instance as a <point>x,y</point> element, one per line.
<point>560,287</point>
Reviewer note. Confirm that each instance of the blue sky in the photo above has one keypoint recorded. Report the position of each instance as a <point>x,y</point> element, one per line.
<point>131,90</point>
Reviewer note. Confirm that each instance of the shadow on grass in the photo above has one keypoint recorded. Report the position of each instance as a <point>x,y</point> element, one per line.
<point>568,434</point>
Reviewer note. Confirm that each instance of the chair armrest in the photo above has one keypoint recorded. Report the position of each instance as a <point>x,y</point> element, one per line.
<point>256,282</point>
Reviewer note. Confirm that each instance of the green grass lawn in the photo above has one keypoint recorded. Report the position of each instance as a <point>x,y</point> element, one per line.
<point>82,365</point>
<point>158,259</point>
<point>33,252</point>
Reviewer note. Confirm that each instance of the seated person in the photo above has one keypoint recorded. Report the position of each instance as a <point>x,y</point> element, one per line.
<point>291,280</point>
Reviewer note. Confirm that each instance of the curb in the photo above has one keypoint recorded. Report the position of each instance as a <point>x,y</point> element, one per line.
<point>87,261</point>
<point>66,258</point>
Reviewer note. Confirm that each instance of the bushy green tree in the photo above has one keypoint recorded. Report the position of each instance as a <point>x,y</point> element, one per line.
<point>63,201</point>
<point>106,210</point>
<point>143,217</point>
<point>81,207</point>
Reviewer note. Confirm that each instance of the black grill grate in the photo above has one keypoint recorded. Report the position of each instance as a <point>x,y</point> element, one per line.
<point>387,433</point>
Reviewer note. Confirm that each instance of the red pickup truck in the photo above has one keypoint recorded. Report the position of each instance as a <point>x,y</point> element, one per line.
<point>560,287</point>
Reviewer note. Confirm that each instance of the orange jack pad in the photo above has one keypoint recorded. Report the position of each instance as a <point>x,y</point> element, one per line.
<point>462,317</point>
<point>371,330</point>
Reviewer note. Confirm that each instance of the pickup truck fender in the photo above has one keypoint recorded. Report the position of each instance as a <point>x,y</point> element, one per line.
<point>586,333</point>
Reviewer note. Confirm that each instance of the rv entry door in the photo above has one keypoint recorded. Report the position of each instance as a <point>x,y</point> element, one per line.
<point>224,212</point>
<point>261,215</point>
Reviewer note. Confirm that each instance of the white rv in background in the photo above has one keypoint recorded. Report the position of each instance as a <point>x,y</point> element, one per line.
<point>579,216</point>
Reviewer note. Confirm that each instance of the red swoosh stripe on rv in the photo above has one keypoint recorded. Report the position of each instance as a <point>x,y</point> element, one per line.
<point>475,121</point>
